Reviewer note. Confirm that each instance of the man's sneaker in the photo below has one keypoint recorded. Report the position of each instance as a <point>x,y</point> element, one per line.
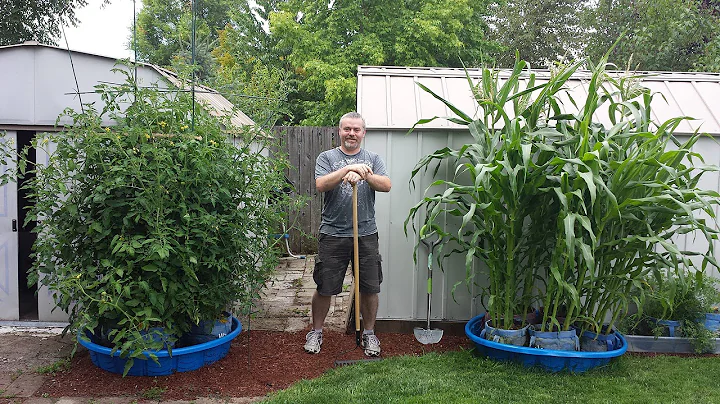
<point>313,340</point>
<point>371,344</point>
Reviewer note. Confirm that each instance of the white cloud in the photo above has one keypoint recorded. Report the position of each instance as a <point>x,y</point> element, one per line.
<point>103,30</point>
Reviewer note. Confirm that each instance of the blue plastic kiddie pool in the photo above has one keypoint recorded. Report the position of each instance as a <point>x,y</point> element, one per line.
<point>182,359</point>
<point>552,360</point>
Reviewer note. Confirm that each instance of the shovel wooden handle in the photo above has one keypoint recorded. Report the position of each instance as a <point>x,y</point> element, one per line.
<point>356,264</point>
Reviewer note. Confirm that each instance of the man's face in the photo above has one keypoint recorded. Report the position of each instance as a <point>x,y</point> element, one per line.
<point>351,134</point>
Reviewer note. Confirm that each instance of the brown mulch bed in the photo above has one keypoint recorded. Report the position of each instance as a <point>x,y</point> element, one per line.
<point>259,362</point>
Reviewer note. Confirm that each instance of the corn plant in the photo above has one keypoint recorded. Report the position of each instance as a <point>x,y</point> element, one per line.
<point>505,199</point>
<point>565,212</point>
<point>623,196</point>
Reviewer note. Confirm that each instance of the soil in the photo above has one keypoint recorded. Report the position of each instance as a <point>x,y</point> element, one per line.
<point>258,363</point>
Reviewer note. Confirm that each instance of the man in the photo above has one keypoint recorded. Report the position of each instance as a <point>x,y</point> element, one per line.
<point>335,172</point>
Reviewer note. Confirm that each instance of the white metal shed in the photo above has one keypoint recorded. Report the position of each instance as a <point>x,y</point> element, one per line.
<point>392,103</point>
<point>37,82</point>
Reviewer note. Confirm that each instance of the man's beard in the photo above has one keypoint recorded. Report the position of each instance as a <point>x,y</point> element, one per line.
<point>351,146</point>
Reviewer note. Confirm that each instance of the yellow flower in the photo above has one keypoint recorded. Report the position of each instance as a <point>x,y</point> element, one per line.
<point>162,123</point>
<point>147,136</point>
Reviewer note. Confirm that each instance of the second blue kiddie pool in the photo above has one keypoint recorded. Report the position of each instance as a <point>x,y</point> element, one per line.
<point>551,360</point>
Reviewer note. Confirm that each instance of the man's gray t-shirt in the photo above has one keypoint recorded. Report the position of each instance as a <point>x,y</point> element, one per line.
<point>337,206</point>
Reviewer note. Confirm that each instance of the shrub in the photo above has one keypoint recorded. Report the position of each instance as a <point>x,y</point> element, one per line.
<point>154,224</point>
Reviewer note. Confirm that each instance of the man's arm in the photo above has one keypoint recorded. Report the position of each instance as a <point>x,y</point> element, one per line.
<point>379,183</point>
<point>330,181</point>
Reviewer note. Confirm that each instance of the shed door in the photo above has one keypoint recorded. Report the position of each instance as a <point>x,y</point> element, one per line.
<point>9,298</point>
<point>46,303</point>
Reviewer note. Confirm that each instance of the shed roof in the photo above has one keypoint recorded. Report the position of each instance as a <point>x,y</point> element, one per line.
<point>215,103</point>
<point>388,97</point>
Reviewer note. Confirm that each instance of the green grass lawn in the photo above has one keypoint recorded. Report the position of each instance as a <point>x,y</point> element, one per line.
<point>459,377</point>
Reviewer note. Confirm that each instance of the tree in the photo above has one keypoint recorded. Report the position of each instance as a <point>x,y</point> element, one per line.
<point>248,72</point>
<point>671,35</point>
<point>540,30</point>
<point>307,51</point>
<point>164,31</point>
<point>259,89</point>
<point>233,50</point>
<point>322,42</point>
<point>36,20</point>
<point>248,37</point>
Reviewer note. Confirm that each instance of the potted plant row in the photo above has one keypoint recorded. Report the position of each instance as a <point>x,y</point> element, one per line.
<point>566,213</point>
<point>679,315</point>
<point>149,227</point>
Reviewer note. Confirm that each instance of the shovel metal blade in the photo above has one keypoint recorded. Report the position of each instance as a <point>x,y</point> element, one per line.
<point>425,336</point>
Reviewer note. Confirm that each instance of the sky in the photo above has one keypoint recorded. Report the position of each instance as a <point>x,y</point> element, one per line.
<point>102,30</point>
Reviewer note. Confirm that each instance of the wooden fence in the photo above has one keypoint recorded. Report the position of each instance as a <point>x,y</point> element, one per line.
<point>302,145</point>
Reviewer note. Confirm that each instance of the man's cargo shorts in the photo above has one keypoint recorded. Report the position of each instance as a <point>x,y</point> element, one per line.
<point>334,255</point>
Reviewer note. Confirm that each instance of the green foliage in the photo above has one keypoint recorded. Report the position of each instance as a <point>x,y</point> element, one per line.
<point>665,35</point>
<point>300,56</point>
<point>322,45</point>
<point>248,37</point>
<point>680,296</point>
<point>701,339</point>
<point>53,368</point>
<point>710,60</point>
<point>683,297</point>
<point>540,31</point>
<point>164,32</point>
<point>153,393</point>
<point>7,156</point>
<point>564,210</point>
<point>36,20</point>
<point>259,90</point>
<point>460,377</point>
<point>150,223</point>
<point>233,52</point>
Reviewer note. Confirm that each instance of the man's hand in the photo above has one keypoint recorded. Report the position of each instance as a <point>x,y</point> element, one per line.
<point>361,169</point>
<point>352,177</point>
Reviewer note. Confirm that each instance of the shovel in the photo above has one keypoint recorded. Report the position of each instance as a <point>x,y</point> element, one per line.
<point>427,335</point>
<point>356,265</point>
